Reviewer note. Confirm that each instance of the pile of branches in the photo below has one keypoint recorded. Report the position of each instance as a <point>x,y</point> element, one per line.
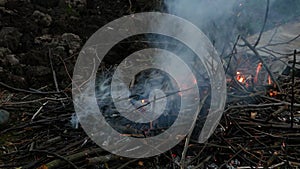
<point>256,130</point>
<point>259,129</point>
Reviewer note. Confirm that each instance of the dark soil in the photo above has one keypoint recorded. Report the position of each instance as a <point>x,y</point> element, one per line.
<point>31,39</point>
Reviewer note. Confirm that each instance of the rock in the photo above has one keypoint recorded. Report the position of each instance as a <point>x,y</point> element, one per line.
<point>10,37</point>
<point>3,2</point>
<point>12,60</point>
<point>74,18</point>
<point>59,51</point>
<point>6,11</point>
<point>43,39</point>
<point>6,58</point>
<point>4,51</point>
<point>60,45</point>
<point>4,116</point>
<point>42,18</point>
<point>73,41</point>
<point>3,54</point>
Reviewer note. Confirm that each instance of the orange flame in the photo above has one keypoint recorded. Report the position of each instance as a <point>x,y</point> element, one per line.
<point>258,69</point>
<point>240,77</point>
<point>273,93</point>
<point>242,80</point>
<point>269,80</point>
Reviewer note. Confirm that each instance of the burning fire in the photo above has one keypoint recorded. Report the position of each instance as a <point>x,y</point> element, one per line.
<point>258,69</point>
<point>269,80</point>
<point>240,77</point>
<point>273,93</point>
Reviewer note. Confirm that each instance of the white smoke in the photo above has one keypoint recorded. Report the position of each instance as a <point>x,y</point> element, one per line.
<point>211,16</point>
<point>200,12</point>
<point>222,20</point>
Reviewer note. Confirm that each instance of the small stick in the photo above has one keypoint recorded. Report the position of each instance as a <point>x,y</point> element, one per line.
<point>130,6</point>
<point>65,66</point>
<point>74,157</point>
<point>127,163</point>
<point>101,159</point>
<point>293,91</point>
<point>188,137</point>
<point>38,111</point>
<point>54,75</point>
<point>263,63</point>
<point>259,105</point>
<point>34,101</point>
<point>277,165</point>
<point>28,91</point>
<point>31,146</point>
<point>53,71</point>
<point>57,156</point>
<point>264,24</point>
<point>232,52</point>
<point>202,163</point>
<point>280,110</point>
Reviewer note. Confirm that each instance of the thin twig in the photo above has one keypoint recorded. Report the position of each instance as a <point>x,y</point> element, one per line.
<point>273,35</point>
<point>28,91</point>
<point>231,54</point>
<point>293,91</point>
<point>274,114</point>
<point>264,24</point>
<point>187,140</point>
<point>259,105</point>
<point>282,43</point>
<point>66,68</point>
<point>101,159</point>
<point>130,6</point>
<point>263,63</point>
<point>53,71</point>
<point>36,100</point>
<point>39,110</point>
<point>74,157</point>
<point>56,155</point>
<point>54,74</point>
<point>202,163</point>
<point>127,163</point>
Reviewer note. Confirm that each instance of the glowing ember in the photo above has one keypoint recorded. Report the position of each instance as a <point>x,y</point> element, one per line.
<point>242,80</point>
<point>240,77</point>
<point>273,93</point>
